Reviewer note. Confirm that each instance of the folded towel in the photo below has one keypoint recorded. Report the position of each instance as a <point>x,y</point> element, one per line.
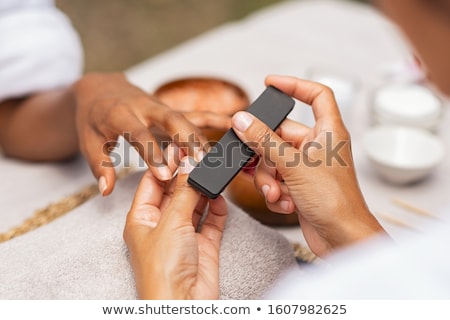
<point>82,255</point>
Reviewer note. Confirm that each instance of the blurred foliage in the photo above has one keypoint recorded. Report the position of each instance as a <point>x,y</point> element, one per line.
<point>117,34</point>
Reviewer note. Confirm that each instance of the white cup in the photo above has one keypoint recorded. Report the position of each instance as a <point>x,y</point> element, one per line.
<point>408,105</point>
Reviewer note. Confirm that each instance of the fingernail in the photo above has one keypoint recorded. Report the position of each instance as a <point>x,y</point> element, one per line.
<point>187,165</point>
<point>102,185</point>
<point>164,173</point>
<point>284,205</point>
<point>151,224</point>
<point>241,121</point>
<point>265,189</point>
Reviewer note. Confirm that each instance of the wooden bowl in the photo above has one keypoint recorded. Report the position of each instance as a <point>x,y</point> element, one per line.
<point>204,94</point>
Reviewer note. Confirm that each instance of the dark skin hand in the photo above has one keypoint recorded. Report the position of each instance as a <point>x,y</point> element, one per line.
<point>90,116</point>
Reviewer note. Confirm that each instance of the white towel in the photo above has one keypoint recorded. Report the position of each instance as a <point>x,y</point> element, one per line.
<point>82,255</point>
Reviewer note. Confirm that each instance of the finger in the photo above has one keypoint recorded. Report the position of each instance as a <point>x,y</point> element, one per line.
<point>183,133</point>
<point>319,96</point>
<point>202,119</point>
<point>265,181</point>
<point>214,223</point>
<point>185,165</point>
<point>173,155</point>
<point>144,212</point>
<point>285,205</point>
<point>184,199</point>
<point>149,191</point>
<point>293,132</point>
<point>168,193</point>
<point>265,142</point>
<point>96,149</point>
<point>199,212</point>
<point>140,137</point>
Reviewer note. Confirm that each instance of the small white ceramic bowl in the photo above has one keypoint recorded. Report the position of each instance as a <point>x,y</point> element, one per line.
<point>403,155</point>
<point>407,104</point>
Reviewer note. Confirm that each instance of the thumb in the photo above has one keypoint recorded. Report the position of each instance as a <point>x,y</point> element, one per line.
<point>265,142</point>
<point>184,198</point>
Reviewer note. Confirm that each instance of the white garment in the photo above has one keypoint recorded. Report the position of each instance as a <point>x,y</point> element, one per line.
<point>40,49</point>
<point>416,267</point>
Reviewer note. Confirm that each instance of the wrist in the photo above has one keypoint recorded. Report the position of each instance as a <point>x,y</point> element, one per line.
<point>359,226</point>
<point>160,288</point>
<point>156,282</point>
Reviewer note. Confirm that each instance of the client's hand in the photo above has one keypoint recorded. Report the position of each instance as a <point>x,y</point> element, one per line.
<point>108,106</point>
<point>169,258</point>
<point>310,170</point>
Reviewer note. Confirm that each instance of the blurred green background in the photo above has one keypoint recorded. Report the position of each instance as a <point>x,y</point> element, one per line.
<point>117,34</point>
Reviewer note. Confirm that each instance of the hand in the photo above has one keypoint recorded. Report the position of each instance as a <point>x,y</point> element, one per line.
<point>169,258</point>
<point>109,106</point>
<point>310,170</point>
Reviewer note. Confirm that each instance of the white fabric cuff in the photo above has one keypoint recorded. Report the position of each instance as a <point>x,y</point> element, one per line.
<point>40,50</point>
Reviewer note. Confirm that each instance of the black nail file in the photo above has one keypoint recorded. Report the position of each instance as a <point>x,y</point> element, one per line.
<point>229,155</point>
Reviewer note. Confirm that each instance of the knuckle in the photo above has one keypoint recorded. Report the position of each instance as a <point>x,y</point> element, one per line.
<point>176,122</point>
<point>118,108</point>
<point>172,118</point>
<point>116,112</point>
<point>141,135</point>
<point>87,81</point>
<point>140,103</point>
<point>326,90</point>
<point>261,135</point>
<point>181,187</point>
<point>184,192</point>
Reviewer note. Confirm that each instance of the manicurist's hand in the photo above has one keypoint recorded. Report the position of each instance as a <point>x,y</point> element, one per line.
<point>310,170</point>
<point>169,258</point>
<point>108,106</point>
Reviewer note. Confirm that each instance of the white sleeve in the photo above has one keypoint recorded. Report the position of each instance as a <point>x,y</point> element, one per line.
<point>40,49</point>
